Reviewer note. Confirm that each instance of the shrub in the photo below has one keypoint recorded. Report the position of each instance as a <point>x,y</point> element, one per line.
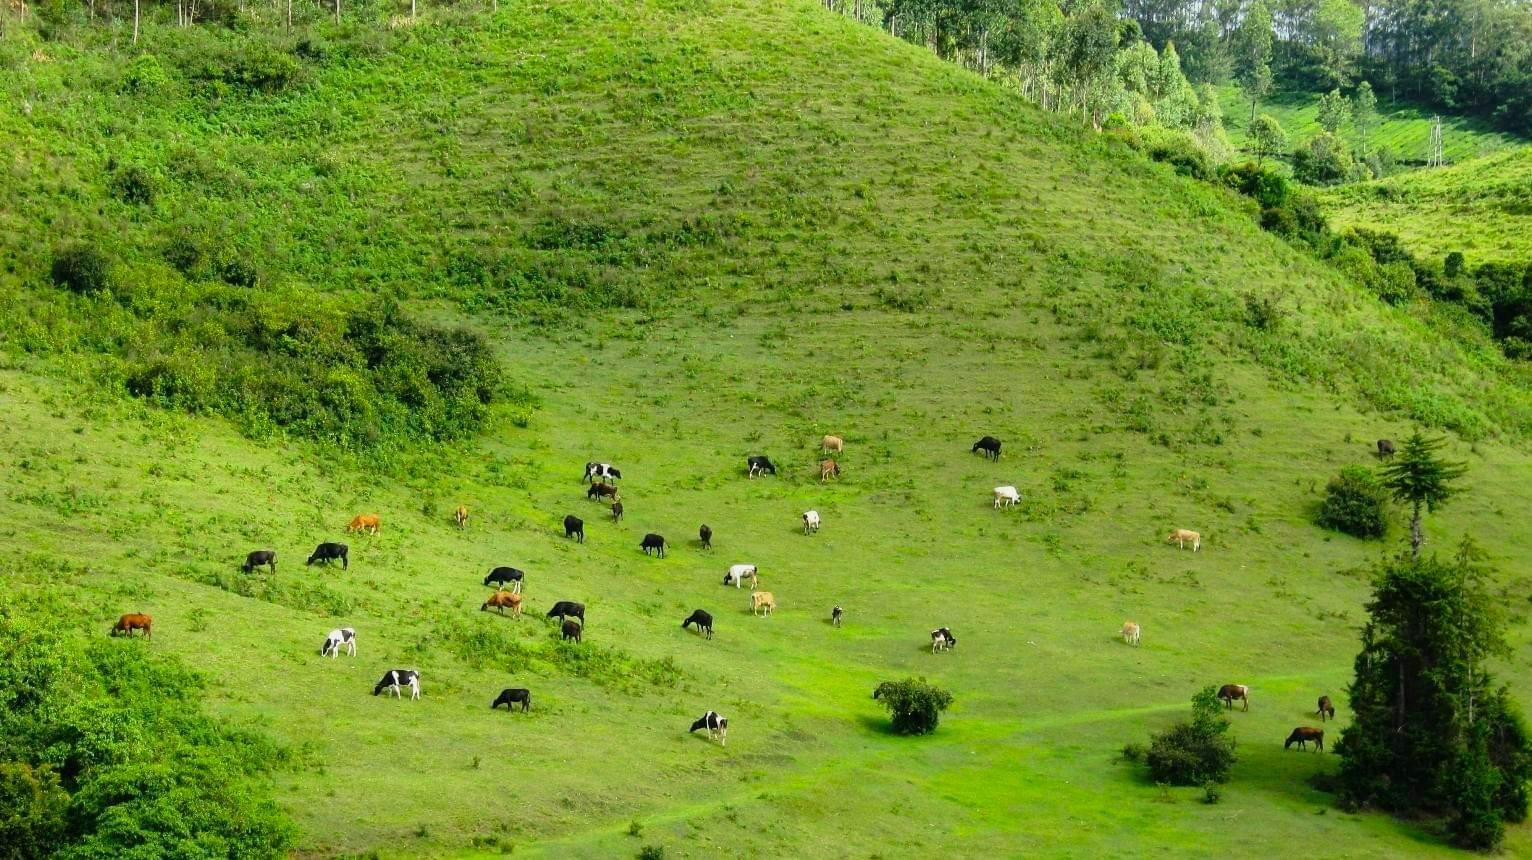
<point>1134,752</point>
<point>914,705</point>
<point>133,183</point>
<point>1355,503</point>
<point>1197,752</point>
<point>1281,221</point>
<point>1181,151</point>
<point>1322,160</point>
<point>145,75</point>
<point>82,269</point>
<point>1263,312</point>
<point>32,807</point>
<point>1265,185</point>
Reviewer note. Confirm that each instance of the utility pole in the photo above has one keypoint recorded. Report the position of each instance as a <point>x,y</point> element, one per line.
<point>1435,159</point>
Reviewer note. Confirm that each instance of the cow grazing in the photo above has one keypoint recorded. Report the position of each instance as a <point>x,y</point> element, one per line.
<point>942,639</point>
<point>989,445</point>
<point>810,522</point>
<point>1006,496</point>
<point>368,523</point>
<point>653,542</point>
<point>570,630</point>
<point>567,607</point>
<point>828,469</point>
<point>574,527</point>
<point>717,727</point>
<point>738,573</point>
<point>395,679</point>
<point>1304,735</point>
<point>1182,537</point>
<point>601,470</point>
<point>1385,448</point>
<point>832,444</point>
<point>502,575</point>
<point>501,599</point>
<point>703,620</point>
<point>341,638</point>
<point>1230,692</point>
<point>705,535</point>
<point>513,696</point>
<point>617,512</point>
<point>762,603</point>
<point>260,557</point>
<point>1130,632</point>
<point>759,465</point>
<point>1326,709</point>
<point>601,491</point>
<point>328,552</point>
<point>134,621</point>
<point>835,616</point>
<point>461,515</point>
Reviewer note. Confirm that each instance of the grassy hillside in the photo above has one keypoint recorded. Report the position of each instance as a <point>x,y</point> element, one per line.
<point>1404,130</point>
<point>1482,208</point>
<point>696,231</point>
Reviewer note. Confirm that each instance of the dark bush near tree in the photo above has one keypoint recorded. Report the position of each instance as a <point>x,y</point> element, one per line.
<point>914,705</point>
<point>132,183</point>
<point>80,268</point>
<point>1356,503</point>
<point>1196,752</point>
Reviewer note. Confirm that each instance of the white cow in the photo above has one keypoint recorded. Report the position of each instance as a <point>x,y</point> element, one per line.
<point>1130,632</point>
<point>341,638</point>
<point>1005,497</point>
<point>738,573</point>
<point>810,522</point>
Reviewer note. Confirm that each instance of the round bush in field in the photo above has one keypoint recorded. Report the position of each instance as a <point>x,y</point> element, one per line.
<point>915,705</point>
<point>1355,503</point>
<point>82,269</point>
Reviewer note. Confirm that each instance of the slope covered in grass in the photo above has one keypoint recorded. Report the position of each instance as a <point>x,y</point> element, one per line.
<point>1481,208</point>
<point>697,231</point>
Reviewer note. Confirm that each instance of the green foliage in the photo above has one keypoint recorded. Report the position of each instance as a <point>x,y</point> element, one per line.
<point>1334,112</point>
<point>32,811</point>
<point>1355,503</point>
<point>1180,150</point>
<point>914,705</point>
<point>1268,186</point>
<point>1418,477</point>
<point>1196,752</point>
<point>132,183</point>
<point>1323,160</point>
<point>1267,136</point>
<point>81,268</point>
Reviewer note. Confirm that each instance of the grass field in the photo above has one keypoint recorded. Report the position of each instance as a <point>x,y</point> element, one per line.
<point>705,231</point>
<point>1482,208</point>
<point>1403,129</point>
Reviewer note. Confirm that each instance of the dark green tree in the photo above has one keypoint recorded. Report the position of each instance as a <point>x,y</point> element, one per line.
<point>1422,480</point>
<point>1355,503</point>
<point>914,705</point>
<point>1431,734</point>
<point>1252,54</point>
<point>1267,137</point>
<point>1196,752</point>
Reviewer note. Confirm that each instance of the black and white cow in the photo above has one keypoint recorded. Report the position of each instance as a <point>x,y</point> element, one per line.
<point>835,616</point>
<point>569,608</point>
<point>574,527</point>
<point>759,465</point>
<point>502,575</point>
<point>601,470</point>
<point>703,620</point>
<point>653,543</point>
<point>341,638</point>
<point>328,552</point>
<point>717,727</point>
<point>942,639</point>
<point>513,696</point>
<point>394,679</point>
<point>260,557</point>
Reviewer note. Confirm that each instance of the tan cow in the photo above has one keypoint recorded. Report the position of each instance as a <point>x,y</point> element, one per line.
<point>1182,537</point>
<point>461,515</point>
<point>365,523</point>
<point>134,621</point>
<point>501,599</point>
<point>832,444</point>
<point>1130,632</point>
<point>828,469</point>
<point>762,602</point>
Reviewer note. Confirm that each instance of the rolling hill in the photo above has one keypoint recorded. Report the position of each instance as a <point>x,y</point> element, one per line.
<point>689,231</point>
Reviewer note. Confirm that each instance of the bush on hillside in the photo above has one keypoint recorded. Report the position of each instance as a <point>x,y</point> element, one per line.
<point>32,810</point>
<point>1180,150</point>
<point>1355,503</point>
<point>1322,160</point>
<point>80,268</point>
<point>914,705</point>
<point>133,183</point>
<point>1196,752</point>
<point>1266,185</point>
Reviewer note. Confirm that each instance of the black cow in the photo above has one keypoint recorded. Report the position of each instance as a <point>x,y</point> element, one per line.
<point>717,726</point>
<point>703,620</point>
<point>574,527</point>
<point>706,535</point>
<point>989,445</point>
<point>502,575</point>
<point>617,512</point>
<point>260,557</point>
<point>601,491</point>
<point>512,696</point>
<point>1385,448</point>
<point>759,465</point>
<point>653,542</point>
<point>328,552</point>
<point>835,615</point>
<point>567,607</point>
<point>394,679</point>
<point>1326,709</point>
<point>601,470</point>
<point>570,630</point>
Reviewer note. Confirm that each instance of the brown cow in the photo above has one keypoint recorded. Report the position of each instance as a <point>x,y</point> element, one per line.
<point>1326,709</point>
<point>461,515</point>
<point>600,491</point>
<point>829,469</point>
<point>133,621</point>
<point>1229,692</point>
<point>501,599</point>
<point>365,523</point>
<point>1304,735</point>
<point>833,444</point>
